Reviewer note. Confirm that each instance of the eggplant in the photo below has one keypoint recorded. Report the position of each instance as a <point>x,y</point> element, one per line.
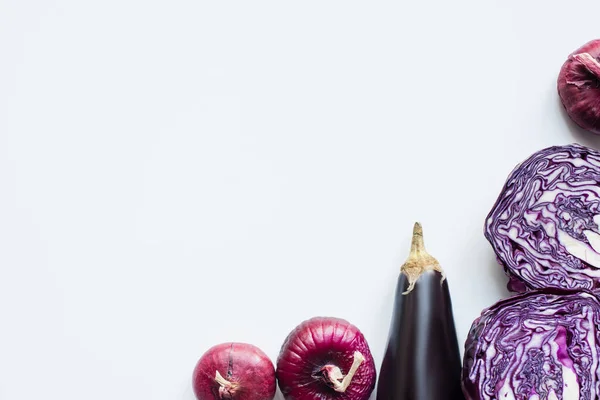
<point>422,357</point>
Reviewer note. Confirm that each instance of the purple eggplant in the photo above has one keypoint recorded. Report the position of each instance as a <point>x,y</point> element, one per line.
<point>422,359</point>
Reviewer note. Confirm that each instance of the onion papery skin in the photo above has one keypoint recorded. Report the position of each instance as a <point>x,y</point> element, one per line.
<point>249,370</point>
<point>579,86</point>
<point>315,344</point>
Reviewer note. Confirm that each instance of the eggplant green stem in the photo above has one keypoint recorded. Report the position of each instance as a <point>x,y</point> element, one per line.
<point>419,260</point>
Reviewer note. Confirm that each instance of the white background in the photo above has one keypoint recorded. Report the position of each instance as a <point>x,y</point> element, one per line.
<point>177,174</point>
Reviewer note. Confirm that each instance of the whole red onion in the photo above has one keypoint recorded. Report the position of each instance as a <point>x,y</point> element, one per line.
<point>326,358</point>
<point>236,371</point>
<point>579,86</point>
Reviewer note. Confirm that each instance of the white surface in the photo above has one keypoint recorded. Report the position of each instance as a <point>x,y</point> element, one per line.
<point>175,174</point>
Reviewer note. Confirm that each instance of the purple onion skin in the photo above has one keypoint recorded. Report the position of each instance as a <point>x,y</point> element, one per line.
<point>315,344</point>
<point>579,86</point>
<point>543,226</point>
<point>535,343</point>
<point>247,367</point>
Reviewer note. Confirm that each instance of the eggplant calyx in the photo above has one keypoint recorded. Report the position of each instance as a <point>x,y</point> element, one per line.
<point>419,260</point>
<point>227,389</point>
<point>337,380</point>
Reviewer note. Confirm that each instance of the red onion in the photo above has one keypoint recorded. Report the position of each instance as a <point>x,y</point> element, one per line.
<point>236,371</point>
<point>579,86</point>
<point>326,358</point>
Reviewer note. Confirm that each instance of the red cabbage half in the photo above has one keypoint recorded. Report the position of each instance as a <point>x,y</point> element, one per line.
<point>536,345</point>
<point>544,225</point>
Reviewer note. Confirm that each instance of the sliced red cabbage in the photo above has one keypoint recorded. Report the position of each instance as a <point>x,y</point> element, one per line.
<point>544,225</point>
<point>537,345</point>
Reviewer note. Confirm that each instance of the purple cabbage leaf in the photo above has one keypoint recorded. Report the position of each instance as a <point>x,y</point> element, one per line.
<point>544,224</point>
<point>540,345</point>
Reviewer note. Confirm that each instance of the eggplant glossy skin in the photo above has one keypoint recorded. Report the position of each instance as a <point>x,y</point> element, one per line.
<point>422,359</point>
